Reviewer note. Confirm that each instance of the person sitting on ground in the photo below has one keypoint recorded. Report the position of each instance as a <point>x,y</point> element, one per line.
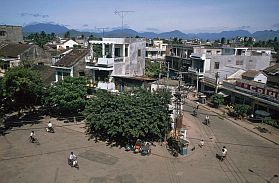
<point>32,136</point>
<point>72,159</point>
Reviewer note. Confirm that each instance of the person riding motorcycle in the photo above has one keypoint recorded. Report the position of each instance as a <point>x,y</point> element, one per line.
<point>72,159</point>
<point>49,127</point>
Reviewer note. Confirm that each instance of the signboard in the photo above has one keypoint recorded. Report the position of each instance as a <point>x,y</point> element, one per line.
<point>269,92</point>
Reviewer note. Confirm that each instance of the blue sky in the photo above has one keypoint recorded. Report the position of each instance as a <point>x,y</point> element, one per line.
<point>149,15</point>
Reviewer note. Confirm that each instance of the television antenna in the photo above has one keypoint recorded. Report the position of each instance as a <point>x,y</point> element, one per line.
<point>102,28</point>
<point>122,14</point>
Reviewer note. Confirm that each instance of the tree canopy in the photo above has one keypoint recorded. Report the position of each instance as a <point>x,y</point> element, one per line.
<point>152,69</point>
<point>22,87</point>
<point>143,115</point>
<point>67,96</point>
<point>42,38</point>
<point>217,100</point>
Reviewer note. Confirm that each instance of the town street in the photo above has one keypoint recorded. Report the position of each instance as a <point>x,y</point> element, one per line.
<point>250,158</point>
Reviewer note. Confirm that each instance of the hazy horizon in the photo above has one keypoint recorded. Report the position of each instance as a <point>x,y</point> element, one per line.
<point>187,16</point>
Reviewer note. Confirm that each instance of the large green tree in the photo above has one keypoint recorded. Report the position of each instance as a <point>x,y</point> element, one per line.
<point>22,87</point>
<point>143,115</point>
<point>67,96</point>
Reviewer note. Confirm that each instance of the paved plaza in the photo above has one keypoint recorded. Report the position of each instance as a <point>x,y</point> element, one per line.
<point>251,158</point>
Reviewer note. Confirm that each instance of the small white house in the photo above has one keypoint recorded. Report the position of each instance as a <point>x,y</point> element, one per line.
<point>67,44</point>
<point>254,75</point>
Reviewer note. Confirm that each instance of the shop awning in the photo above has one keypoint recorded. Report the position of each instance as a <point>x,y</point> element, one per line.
<point>223,94</point>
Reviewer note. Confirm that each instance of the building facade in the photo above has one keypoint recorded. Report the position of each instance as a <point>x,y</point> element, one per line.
<point>11,34</point>
<point>119,57</point>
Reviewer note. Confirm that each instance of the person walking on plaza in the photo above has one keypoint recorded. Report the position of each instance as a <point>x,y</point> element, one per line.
<point>201,144</point>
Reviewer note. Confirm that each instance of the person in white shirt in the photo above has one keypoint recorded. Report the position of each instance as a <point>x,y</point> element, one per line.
<point>32,136</point>
<point>73,159</point>
<point>201,143</point>
<point>49,126</point>
<point>224,153</point>
<point>207,119</point>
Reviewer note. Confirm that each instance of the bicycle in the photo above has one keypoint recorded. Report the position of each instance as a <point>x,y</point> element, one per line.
<point>34,140</point>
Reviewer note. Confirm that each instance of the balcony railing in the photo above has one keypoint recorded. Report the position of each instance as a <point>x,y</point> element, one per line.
<point>119,59</point>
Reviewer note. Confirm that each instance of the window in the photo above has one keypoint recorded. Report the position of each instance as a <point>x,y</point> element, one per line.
<point>139,52</point>
<point>216,65</point>
<point>81,73</point>
<point>117,52</point>
<point>239,62</point>
<point>2,33</point>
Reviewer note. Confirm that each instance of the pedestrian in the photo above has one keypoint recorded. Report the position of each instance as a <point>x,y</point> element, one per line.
<point>198,104</point>
<point>201,143</point>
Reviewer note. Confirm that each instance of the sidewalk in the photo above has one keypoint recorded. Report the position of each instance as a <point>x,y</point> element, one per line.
<point>272,135</point>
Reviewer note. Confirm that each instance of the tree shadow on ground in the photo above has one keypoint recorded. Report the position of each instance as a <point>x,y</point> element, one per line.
<point>13,120</point>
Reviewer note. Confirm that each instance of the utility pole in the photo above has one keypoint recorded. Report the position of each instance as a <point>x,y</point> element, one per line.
<point>217,81</point>
<point>197,85</point>
<point>168,73</point>
<point>122,14</point>
<point>102,28</point>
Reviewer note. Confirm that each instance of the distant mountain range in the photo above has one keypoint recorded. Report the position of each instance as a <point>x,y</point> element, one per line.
<point>60,30</point>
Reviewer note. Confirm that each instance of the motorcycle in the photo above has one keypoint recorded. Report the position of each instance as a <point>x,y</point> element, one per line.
<point>73,163</point>
<point>50,129</point>
<point>137,147</point>
<point>128,146</point>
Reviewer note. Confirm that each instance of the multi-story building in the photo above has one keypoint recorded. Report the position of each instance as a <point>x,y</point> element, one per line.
<point>210,67</point>
<point>156,50</point>
<point>11,34</point>
<point>120,58</point>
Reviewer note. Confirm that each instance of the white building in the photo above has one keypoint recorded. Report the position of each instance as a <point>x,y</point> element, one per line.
<point>156,50</point>
<point>119,57</point>
<point>66,44</point>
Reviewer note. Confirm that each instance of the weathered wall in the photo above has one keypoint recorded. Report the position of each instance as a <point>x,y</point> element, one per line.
<point>80,67</point>
<point>36,55</point>
<point>10,34</point>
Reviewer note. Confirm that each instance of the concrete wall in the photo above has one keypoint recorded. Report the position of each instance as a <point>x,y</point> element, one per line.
<point>10,34</point>
<point>80,67</point>
<point>36,55</point>
<point>133,65</point>
<point>249,62</point>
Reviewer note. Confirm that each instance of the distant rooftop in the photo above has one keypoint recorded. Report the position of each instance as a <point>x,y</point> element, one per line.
<point>72,58</point>
<point>13,50</point>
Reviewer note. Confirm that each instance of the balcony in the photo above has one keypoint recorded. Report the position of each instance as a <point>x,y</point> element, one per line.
<point>106,85</point>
